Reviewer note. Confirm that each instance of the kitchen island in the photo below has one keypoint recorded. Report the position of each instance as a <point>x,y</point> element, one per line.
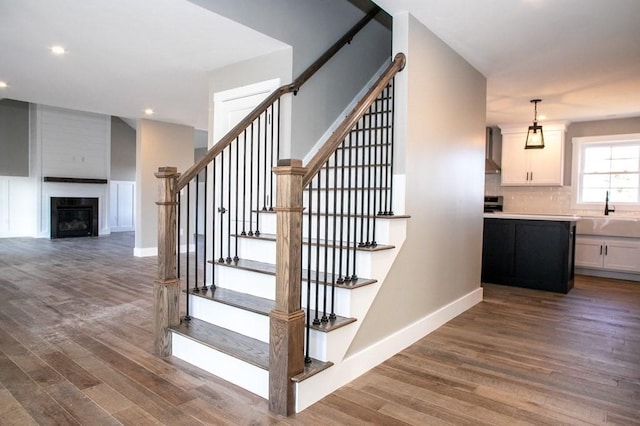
<point>532,251</point>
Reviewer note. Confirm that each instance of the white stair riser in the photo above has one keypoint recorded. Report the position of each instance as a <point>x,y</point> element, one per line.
<point>231,369</point>
<point>381,235</point>
<point>257,249</point>
<point>235,319</point>
<point>256,326</point>
<point>243,281</point>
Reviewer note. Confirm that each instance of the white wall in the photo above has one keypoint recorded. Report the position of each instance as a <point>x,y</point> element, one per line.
<point>441,133</point>
<point>158,144</point>
<point>17,206</point>
<point>68,143</point>
<point>311,27</point>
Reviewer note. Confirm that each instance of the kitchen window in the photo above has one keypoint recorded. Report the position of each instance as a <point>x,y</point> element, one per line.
<point>607,163</point>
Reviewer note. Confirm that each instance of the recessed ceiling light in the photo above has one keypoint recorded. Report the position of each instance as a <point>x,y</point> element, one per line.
<point>58,50</point>
<point>148,111</point>
<point>3,85</point>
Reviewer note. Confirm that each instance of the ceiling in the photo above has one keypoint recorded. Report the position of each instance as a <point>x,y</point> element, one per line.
<point>581,57</point>
<point>123,55</point>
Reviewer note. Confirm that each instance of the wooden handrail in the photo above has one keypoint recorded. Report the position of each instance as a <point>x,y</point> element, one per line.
<point>336,138</point>
<point>237,130</point>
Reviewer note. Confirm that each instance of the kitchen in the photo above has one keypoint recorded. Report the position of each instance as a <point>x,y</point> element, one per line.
<point>605,245</point>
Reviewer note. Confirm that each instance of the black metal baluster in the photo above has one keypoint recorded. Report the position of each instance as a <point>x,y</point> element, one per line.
<point>376,184</point>
<point>385,209</point>
<point>204,239</point>
<point>187,316</point>
<point>244,183</point>
<point>356,185</point>
<point>251,183</point>
<point>361,174</point>
<point>235,187</point>
<point>257,232</point>
<point>264,163</point>
<point>368,165</point>
<point>309,230</point>
<point>347,275</point>
<point>393,96</point>
<point>316,320</point>
<point>278,134</point>
<point>221,209</point>
<point>342,190</point>
<point>229,175</point>
<point>326,241</point>
<point>196,288</point>
<point>270,198</point>
<point>334,243</point>
<point>213,224</point>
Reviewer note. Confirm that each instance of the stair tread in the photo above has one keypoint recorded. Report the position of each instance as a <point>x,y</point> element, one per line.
<point>377,216</point>
<point>311,369</point>
<point>237,345</point>
<point>272,237</point>
<point>262,306</point>
<point>270,268</point>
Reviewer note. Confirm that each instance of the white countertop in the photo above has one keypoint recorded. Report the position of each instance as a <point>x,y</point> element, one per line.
<point>526,216</point>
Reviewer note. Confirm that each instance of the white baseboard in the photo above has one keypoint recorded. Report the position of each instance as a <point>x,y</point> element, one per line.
<point>317,387</point>
<point>153,251</point>
<point>145,251</point>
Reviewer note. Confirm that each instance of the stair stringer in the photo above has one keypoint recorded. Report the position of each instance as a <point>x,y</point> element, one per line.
<point>320,385</point>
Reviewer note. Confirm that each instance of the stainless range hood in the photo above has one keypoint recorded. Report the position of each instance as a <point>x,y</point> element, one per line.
<point>490,166</point>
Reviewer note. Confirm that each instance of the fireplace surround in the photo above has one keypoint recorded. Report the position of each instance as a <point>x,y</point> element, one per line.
<point>74,217</point>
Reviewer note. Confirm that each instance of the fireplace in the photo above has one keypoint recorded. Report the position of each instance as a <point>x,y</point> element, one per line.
<point>74,217</point>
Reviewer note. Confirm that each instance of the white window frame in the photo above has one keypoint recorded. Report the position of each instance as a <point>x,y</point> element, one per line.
<point>576,173</point>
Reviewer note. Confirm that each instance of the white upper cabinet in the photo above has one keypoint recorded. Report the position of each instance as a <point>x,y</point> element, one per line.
<point>539,167</point>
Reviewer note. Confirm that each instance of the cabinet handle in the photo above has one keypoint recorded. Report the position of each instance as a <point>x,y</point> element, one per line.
<point>600,249</point>
<point>531,176</point>
<point>527,176</point>
<point>606,249</point>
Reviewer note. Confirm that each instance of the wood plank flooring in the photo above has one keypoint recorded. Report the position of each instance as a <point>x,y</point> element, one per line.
<point>75,348</point>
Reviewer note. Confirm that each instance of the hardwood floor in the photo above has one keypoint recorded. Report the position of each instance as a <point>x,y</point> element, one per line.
<point>75,348</point>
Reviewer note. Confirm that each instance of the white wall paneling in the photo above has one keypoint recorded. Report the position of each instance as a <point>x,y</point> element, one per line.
<point>17,206</point>
<point>122,206</point>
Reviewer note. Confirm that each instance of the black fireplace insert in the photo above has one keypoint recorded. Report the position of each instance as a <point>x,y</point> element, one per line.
<point>74,217</point>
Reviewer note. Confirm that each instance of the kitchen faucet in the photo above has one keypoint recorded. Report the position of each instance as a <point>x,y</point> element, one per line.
<point>607,210</point>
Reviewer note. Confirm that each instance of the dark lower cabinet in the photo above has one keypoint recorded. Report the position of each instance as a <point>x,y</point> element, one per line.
<point>535,254</point>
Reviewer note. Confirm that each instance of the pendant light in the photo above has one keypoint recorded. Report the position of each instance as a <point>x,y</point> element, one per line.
<point>535,138</point>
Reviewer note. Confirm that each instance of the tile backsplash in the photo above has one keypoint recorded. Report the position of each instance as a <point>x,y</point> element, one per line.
<point>540,199</point>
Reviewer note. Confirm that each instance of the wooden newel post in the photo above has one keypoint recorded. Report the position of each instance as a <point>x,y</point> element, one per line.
<point>166,287</point>
<point>286,348</point>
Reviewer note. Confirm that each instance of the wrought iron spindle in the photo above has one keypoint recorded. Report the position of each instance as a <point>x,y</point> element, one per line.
<point>342,213</point>
<point>307,358</point>
<point>195,278</point>
<point>204,239</point>
<point>393,96</point>
<point>244,183</point>
<point>349,191</point>
<point>229,205</point>
<point>221,209</point>
<point>237,200</point>
<point>273,163</point>
<point>257,232</point>
<point>326,242</point>
<point>213,224</point>
<point>368,166</point>
<point>187,316</point>
<point>316,320</point>
<point>334,243</point>
<point>251,181</point>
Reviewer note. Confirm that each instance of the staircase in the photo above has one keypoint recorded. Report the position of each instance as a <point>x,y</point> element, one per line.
<point>272,295</point>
